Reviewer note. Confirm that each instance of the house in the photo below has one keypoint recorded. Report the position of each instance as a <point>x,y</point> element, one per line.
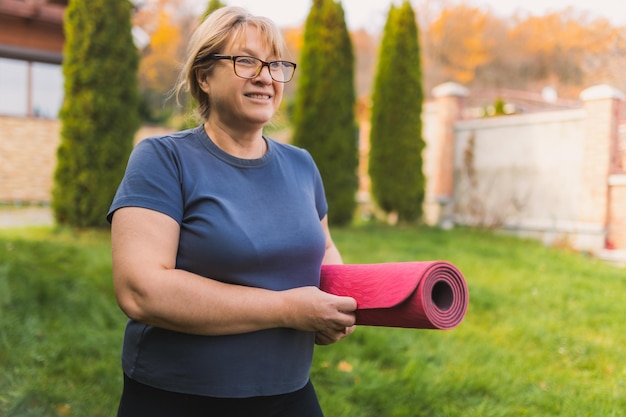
<point>32,32</point>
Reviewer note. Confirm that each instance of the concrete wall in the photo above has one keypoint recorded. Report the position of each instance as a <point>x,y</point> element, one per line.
<point>517,171</point>
<point>559,176</point>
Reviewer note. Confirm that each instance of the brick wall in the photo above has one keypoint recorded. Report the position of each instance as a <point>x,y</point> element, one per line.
<point>616,235</point>
<point>600,134</point>
<point>28,157</point>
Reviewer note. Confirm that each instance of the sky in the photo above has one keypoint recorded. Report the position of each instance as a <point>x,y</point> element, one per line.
<point>371,14</point>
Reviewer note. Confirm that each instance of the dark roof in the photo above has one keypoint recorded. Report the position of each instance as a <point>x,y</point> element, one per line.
<point>32,30</point>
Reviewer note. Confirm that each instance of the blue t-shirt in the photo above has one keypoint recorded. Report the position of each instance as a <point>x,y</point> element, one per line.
<point>252,222</point>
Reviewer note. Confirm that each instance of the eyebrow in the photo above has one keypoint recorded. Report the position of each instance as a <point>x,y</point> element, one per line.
<point>249,52</point>
<point>268,59</point>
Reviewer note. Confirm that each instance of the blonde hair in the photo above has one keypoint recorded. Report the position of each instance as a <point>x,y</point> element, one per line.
<point>222,28</point>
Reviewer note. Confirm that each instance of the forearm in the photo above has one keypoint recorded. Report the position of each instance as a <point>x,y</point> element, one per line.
<point>332,255</point>
<point>185,302</point>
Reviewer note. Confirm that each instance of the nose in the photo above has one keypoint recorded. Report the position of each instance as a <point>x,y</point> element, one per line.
<point>267,76</point>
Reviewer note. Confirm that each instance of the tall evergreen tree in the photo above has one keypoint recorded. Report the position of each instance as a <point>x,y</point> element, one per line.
<point>396,142</point>
<point>324,115</point>
<point>211,7</point>
<point>100,110</point>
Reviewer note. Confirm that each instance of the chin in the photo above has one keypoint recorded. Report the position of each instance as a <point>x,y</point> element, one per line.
<point>261,119</point>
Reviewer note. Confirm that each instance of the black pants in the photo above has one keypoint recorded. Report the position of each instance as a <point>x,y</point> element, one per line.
<point>139,400</point>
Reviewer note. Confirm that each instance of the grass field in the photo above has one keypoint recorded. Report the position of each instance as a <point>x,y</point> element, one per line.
<point>544,334</point>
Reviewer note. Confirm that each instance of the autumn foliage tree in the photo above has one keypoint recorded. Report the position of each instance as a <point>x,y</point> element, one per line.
<point>99,114</point>
<point>159,67</point>
<point>568,52</point>
<point>567,49</point>
<point>396,143</point>
<point>168,23</point>
<point>459,41</point>
<point>324,116</point>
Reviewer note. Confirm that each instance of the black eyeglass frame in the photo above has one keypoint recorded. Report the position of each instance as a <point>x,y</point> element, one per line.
<point>267,64</point>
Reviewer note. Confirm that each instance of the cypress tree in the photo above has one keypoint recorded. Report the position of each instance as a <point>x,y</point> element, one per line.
<point>99,114</point>
<point>324,115</point>
<point>211,7</point>
<point>396,142</point>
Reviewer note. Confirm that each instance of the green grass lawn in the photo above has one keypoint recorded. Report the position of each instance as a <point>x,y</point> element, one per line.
<point>544,334</point>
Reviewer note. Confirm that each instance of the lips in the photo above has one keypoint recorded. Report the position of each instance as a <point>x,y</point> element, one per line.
<point>258,96</point>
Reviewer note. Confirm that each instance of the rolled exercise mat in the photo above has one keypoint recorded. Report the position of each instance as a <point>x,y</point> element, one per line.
<point>419,295</point>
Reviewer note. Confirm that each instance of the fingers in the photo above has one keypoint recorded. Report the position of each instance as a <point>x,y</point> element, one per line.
<point>343,320</point>
<point>327,337</point>
<point>344,317</point>
<point>345,307</point>
<point>311,309</point>
<point>346,304</point>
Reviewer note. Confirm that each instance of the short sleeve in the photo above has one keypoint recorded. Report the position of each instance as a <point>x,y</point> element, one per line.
<point>320,195</point>
<point>152,180</point>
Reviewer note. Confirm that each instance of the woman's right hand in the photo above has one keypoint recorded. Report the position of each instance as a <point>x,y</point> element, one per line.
<point>311,309</point>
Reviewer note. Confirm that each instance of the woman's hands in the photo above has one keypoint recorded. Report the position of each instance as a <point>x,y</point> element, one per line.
<point>327,338</point>
<point>332,317</point>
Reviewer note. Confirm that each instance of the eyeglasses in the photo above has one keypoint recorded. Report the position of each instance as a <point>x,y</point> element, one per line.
<point>249,67</point>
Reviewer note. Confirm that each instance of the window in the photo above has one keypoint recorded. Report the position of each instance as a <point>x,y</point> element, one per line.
<point>21,80</point>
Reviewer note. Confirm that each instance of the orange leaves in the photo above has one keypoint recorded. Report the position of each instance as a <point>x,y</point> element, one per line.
<point>167,27</point>
<point>158,66</point>
<point>342,366</point>
<point>457,37</point>
<point>562,30</point>
<point>564,48</point>
<point>294,38</point>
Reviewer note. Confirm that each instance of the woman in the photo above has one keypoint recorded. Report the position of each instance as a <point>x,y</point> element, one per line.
<point>218,235</point>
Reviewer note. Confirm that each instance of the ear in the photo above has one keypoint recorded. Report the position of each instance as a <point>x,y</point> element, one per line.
<point>201,78</point>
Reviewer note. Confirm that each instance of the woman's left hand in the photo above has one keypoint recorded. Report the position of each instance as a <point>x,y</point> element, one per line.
<point>328,338</point>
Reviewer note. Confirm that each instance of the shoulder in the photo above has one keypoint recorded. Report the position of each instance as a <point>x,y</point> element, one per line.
<point>291,152</point>
<point>168,140</point>
<point>167,146</point>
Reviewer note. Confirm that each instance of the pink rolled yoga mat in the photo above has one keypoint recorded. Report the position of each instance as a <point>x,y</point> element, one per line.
<point>419,295</point>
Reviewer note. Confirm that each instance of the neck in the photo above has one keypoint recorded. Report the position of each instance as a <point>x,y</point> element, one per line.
<point>241,144</point>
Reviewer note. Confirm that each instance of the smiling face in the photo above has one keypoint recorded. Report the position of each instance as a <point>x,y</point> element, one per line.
<point>237,102</point>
